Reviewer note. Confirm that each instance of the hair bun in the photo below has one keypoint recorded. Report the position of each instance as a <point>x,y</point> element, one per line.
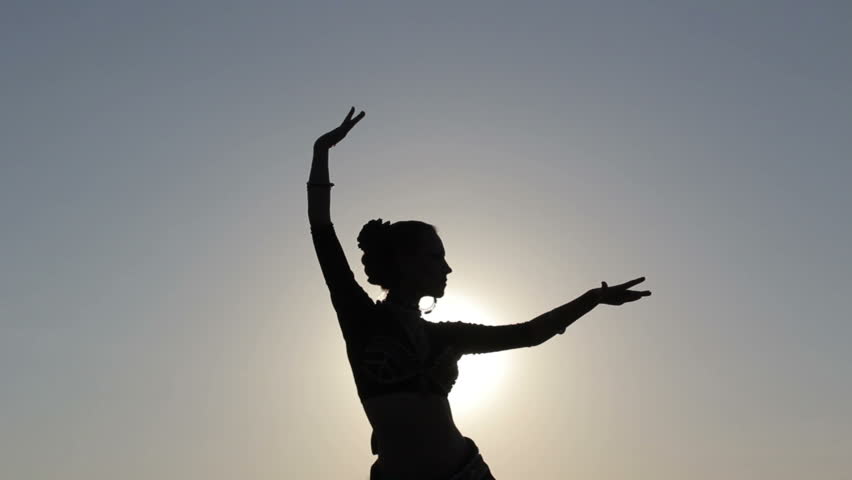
<point>374,235</point>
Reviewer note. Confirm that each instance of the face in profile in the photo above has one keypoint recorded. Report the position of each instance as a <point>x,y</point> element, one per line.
<point>425,270</point>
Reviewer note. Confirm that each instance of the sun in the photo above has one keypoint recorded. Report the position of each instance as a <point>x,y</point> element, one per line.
<point>479,375</point>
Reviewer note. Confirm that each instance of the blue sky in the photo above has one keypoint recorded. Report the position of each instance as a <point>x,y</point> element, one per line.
<point>162,314</point>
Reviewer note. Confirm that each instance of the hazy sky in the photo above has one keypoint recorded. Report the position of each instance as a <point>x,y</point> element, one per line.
<point>162,314</point>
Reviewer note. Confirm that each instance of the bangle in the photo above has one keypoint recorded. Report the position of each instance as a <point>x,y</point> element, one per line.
<point>326,185</point>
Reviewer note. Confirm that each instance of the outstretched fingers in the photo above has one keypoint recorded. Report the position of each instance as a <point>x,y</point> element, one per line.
<point>631,283</point>
<point>628,296</point>
<point>350,122</point>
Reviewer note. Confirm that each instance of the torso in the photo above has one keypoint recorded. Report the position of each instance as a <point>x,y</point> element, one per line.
<point>394,352</point>
<point>404,371</point>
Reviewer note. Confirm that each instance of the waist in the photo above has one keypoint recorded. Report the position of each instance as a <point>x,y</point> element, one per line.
<point>415,433</point>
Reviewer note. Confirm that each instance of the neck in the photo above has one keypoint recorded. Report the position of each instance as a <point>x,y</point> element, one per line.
<point>401,298</point>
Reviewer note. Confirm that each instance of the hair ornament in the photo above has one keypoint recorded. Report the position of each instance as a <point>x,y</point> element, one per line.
<point>374,235</point>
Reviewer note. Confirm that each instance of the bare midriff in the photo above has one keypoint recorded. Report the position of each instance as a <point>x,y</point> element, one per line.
<point>415,436</point>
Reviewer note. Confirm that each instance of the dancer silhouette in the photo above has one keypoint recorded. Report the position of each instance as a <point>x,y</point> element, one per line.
<point>404,367</point>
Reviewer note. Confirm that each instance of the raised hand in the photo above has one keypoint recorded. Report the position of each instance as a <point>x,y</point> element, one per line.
<point>620,294</point>
<point>331,138</point>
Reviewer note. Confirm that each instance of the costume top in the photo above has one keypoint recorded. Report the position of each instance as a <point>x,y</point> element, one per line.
<point>392,349</point>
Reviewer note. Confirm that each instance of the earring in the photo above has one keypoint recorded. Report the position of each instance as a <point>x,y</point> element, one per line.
<point>431,307</point>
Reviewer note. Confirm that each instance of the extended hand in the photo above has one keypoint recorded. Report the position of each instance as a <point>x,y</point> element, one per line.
<point>620,294</point>
<point>331,138</point>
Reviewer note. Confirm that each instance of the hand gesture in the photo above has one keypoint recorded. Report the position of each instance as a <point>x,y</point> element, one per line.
<point>620,294</point>
<point>331,138</point>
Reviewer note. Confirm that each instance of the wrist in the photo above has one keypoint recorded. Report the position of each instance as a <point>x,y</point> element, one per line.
<point>593,296</point>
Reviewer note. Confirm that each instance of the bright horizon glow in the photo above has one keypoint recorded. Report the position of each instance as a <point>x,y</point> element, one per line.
<point>480,376</point>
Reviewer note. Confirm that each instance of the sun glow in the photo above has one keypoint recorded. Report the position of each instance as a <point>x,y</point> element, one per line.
<point>479,375</point>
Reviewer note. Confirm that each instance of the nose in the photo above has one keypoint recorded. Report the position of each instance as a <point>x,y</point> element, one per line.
<point>448,269</point>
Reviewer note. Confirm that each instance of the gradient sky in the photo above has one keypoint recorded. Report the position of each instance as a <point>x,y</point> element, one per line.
<point>162,315</point>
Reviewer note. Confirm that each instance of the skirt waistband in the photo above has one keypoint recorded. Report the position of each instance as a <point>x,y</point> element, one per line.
<point>474,467</point>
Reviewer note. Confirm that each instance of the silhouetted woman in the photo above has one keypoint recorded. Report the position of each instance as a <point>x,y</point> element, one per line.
<point>404,367</point>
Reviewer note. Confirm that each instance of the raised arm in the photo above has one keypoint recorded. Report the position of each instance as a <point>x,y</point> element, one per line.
<point>472,338</point>
<point>345,291</point>
<point>319,186</point>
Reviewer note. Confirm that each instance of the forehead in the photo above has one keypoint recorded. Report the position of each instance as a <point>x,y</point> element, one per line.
<point>432,243</point>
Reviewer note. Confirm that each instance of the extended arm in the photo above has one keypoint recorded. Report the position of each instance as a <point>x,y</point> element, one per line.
<point>471,338</point>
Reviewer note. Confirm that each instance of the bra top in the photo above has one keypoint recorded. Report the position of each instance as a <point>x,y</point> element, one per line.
<point>397,351</point>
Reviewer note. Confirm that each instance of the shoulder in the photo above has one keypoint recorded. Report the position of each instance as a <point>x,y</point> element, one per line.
<point>358,316</point>
<point>447,329</point>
